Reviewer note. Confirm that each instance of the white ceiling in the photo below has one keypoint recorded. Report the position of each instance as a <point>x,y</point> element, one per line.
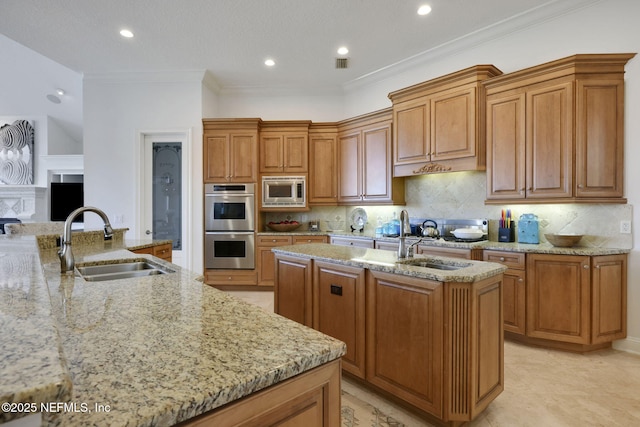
<point>232,38</point>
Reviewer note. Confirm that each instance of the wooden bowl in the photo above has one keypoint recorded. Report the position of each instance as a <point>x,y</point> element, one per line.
<point>284,227</point>
<point>563,240</point>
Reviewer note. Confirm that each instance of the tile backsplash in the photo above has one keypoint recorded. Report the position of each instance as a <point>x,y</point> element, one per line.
<point>462,194</point>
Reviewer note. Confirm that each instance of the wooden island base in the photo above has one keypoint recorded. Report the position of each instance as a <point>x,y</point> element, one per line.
<point>311,399</point>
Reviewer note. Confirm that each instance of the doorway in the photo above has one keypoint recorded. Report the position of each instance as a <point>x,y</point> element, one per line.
<point>164,189</point>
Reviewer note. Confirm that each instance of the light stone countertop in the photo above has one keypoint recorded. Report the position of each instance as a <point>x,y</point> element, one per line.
<point>157,350</point>
<point>387,261</point>
<point>542,248</point>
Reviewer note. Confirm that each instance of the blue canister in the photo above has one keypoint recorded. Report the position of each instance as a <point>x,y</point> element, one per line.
<point>528,229</point>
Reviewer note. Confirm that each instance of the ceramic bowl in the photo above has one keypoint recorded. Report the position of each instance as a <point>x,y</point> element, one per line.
<point>284,227</point>
<point>563,240</point>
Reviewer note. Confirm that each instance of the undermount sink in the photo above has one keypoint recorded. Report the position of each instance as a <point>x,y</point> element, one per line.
<point>417,262</point>
<point>120,270</point>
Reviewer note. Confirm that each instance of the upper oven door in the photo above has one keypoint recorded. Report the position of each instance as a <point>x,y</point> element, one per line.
<point>229,212</point>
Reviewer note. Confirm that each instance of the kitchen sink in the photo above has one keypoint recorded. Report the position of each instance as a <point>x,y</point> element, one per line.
<point>120,270</point>
<point>417,262</point>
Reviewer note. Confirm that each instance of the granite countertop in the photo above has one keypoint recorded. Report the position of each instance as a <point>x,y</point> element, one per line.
<point>544,248</point>
<point>387,261</point>
<point>155,350</point>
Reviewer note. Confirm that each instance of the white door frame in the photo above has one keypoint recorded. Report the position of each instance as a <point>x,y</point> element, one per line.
<point>183,257</point>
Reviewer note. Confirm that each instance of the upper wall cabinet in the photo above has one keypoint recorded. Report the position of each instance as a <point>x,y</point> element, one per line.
<point>230,150</point>
<point>323,164</point>
<point>364,158</point>
<point>439,124</point>
<point>284,147</point>
<point>555,132</point>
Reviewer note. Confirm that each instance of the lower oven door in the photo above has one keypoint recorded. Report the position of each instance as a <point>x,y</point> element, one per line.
<point>229,250</point>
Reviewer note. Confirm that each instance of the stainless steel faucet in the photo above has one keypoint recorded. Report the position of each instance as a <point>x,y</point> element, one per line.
<point>67,263</point>
<point>405,230</point>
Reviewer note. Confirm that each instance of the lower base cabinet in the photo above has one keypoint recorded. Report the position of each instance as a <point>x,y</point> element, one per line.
<point>293,297</point>
<point>163,251</point>
<point>576,303</point>
<point>311,399</point>
<point>514,288</point>
<point>436,346</point>
<point>339,310</point>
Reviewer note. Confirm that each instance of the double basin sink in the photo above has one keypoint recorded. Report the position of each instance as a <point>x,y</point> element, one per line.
<point>120,270</point>
<point>430,263</point>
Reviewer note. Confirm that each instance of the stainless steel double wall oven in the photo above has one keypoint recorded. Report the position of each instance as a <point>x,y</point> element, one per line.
<point>229,226</point>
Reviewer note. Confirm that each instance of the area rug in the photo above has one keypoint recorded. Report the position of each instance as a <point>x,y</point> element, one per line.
<point>356,413</point>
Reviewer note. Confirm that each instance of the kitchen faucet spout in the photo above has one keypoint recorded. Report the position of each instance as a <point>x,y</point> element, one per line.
<point>405,230</point>
<point>67,262</point>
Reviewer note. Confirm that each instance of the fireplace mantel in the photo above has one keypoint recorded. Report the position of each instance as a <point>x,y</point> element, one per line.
<point>28,203</point>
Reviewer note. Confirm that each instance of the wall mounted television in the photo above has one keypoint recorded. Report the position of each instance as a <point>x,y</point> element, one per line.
<point>65,198</point>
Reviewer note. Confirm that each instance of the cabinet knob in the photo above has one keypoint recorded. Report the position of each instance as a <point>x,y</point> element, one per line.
<point>501,258</point>
<point>520,280</point>
<point>580,185</point>
<point>597,266</point>
<point>585,266</point>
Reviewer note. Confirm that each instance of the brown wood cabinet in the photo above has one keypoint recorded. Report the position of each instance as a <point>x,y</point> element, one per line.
<point>266,259</point>
<point>339,310</point>
<point>555,132</point>
<point>365,173</point>
<point>439,124</point>
<point>421,346</point>
<point>163,251</point>
<point>576,302</point>
<point>293,296</point>
<point>311,399</point>
<point>514,289</point>
<point>323,164</point>
<point>284,147</point>
<point>230,150</point>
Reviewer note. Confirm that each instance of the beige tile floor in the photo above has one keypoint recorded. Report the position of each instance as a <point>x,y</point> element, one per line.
<point>542,387</point>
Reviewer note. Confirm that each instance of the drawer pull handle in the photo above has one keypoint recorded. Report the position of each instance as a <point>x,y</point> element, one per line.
<point>336,290</point>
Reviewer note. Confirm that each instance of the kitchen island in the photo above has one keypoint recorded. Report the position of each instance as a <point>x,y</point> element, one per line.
<point>426,331</point>
<point>155,350</point>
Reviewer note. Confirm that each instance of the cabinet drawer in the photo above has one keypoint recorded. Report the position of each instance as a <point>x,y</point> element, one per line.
<point>163,251</point>
<point>299,240</point>
<point>230,277</point>
<point>273,240</point>
<point>510,259</point>
<point>440,251</point>
<point>361,243</point>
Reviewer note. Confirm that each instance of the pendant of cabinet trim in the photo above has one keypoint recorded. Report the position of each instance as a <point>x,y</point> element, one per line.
<point>555,132</point>
<point>439,124</point>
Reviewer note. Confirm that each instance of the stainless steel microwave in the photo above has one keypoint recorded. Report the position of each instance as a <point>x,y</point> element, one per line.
<point>284,191</point>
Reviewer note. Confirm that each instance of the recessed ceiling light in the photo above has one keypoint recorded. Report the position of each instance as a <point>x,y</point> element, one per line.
<point>269,62</point>
<point>60,91</point>
<point>425,9</point>
<point>343,50</point>
<point>126,33</point>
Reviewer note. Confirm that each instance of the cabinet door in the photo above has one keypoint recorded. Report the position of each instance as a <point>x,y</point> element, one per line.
<point>216,158</point>
<point>609,315</point>
<point>376,166</point>
<point>412,139</point>
<point>514,301</point>
<point>549,154</point>
<point>266,259</point>
<point>323,173</point>
<point>559,297</point>
<point>244,156</point>
<point>506,146</point>
<point>405,338</point>
<point>296,153</point>
<point>271,153</point>
<point>453,124</point>
<point>350,171</point>
<point>599,138</point>
<point>338,310</point>
<point>293,292</point>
